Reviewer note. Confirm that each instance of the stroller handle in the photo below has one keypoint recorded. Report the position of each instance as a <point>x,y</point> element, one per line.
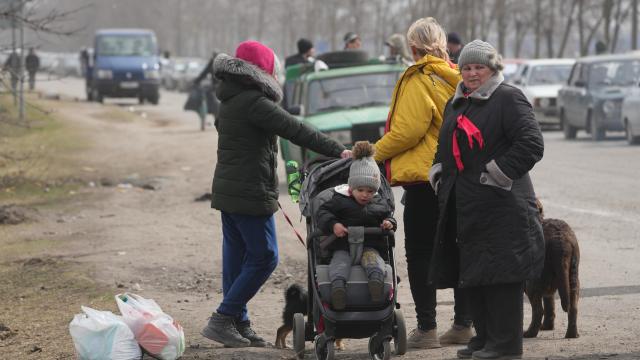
<point>367,231</point>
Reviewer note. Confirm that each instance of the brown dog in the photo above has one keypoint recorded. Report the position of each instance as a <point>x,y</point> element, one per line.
<point>562,256</point>
<point>295,301</point>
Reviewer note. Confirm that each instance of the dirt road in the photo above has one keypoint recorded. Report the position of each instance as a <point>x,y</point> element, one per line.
<point>160,243</point>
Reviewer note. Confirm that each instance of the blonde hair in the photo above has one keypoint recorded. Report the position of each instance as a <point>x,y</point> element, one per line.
<point>428,37</point>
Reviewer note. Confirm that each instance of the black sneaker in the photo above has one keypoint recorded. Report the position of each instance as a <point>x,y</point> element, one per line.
<point>376,287</point>
<point>244,328</point>
<point>338,294</point>
<point>494,355</point>
<point>222,328</point>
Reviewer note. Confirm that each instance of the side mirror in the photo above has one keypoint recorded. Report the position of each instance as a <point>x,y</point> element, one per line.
<point>518,82</point>
<point>295,109</point>
<point>580,83</point>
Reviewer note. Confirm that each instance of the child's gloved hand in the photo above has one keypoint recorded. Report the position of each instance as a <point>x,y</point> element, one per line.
<point>339,230</point>
<point>387,225</point>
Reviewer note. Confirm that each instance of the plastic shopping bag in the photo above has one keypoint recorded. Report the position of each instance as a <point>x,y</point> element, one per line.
<point>102,335</point>
<point>155,331</point>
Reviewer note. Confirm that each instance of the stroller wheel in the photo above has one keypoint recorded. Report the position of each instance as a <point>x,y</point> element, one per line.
<point>379,349</point>
<point>399,333</point>
<point>298,335</point>
<point>324,349</point>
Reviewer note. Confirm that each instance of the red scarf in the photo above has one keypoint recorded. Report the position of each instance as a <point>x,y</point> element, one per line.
<point>463,123</point>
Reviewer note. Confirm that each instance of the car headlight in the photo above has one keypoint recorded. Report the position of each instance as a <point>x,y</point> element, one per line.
<point>545,102</point>
<point>342,136</point>
<point>104,74</point>
<point>608,107</point>
<point>152,74</point>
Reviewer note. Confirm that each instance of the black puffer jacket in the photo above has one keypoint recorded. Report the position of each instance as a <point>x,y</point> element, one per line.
<point>249,123</point>
<point>343,208</point>
<point>489,207</point>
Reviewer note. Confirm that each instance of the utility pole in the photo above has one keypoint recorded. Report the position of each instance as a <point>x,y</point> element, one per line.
<point>12,11</point>
<point>21,67</point>
<point>634,25</point>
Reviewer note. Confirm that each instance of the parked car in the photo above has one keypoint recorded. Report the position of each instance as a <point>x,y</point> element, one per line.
<point>540,81</point>
<point>592,98</point>
<point>511,67</point>
<point>191,70</point>
<point>631,115</point>
<point>125,64</point>
<point>349,101</point>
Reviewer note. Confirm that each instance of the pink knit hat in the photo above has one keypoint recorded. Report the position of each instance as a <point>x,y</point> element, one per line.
<point>257,54</point>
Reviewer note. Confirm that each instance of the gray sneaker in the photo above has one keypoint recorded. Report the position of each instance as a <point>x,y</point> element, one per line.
<point>338,294</point>
<point>420,339</point>
<point>222,328</point>
<point>376,287</point>
<point>457,334</point>
<point>244,328</point>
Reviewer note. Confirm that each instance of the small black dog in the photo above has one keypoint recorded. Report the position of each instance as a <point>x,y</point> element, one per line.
<point>295,301</point>
<point>562,257</point>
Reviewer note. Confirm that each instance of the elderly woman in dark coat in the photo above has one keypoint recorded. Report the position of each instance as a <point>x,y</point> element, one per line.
<point>489,237</point>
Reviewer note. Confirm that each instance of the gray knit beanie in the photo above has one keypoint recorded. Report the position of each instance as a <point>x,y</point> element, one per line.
<point>480,52</point>
<point>364,171</point>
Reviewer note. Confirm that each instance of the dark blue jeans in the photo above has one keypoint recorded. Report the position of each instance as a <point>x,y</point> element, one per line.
<point>249,256</point>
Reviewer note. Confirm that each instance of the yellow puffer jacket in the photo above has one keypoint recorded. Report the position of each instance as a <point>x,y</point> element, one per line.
<point>415,117</point>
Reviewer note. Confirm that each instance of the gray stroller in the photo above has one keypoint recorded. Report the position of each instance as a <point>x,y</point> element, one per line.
<point>380,321</point>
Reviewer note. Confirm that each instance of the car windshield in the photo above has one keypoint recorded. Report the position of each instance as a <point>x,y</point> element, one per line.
<point>510,70</point>
<point>549,74</point>
<point>614,73</point>
<point>126,45</point>
<point>351,92</point>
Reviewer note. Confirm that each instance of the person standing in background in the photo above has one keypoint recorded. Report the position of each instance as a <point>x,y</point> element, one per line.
<point>352,41</point>
<point>305,54</point>
<point>454,46</point>
<point>32,63</point>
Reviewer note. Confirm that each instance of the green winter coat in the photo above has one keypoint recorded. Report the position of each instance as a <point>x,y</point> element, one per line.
<point>249,123</point>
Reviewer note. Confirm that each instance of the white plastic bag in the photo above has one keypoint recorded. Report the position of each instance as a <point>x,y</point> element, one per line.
<point>102,335</point>
<point>154,330</point>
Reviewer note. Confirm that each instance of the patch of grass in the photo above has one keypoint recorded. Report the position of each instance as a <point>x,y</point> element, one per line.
<point>40,297</point>
<point>36,161</point>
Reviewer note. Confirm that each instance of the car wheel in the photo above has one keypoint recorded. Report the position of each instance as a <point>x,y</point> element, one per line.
<point>597,133</point>
<point>568,130</point>
<point>97,96</point>
<point>154,99</point>
<point>631,139</point>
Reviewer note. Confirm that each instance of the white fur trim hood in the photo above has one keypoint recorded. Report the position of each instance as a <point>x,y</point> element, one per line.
<point>225,64</point>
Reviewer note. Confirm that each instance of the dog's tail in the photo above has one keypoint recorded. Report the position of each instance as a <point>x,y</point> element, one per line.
<point>565,266</point>
<point>293,292</point>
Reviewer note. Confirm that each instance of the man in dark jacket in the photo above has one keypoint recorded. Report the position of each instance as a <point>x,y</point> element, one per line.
<point>12,65</point>
<point>32,63</point>
<point>488,143</point>
<point>304,55</point>
<point>454,46</point>
<point>245,184</point>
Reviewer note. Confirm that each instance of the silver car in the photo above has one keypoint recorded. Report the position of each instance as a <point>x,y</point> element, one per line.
<point>540,81</point>
<point>592,98</point>
<point>631,115</point>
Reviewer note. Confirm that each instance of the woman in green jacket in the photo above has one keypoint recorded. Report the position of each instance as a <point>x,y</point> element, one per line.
<point>245,184</point>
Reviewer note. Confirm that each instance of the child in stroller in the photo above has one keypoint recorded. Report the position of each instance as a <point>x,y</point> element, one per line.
<point>350,312</point>
<point>355,204</point>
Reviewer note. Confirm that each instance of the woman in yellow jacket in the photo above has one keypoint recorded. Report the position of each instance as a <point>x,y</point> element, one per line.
<point>407,150</point>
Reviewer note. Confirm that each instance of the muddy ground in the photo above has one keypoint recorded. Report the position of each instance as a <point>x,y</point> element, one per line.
<point>129,222</point>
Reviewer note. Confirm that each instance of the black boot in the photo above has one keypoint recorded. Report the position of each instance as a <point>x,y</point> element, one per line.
<point>376,287</point>
<point>222,328</point>
<point>244,328</point>
<point>494,355</point>
<point>338,294</point>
